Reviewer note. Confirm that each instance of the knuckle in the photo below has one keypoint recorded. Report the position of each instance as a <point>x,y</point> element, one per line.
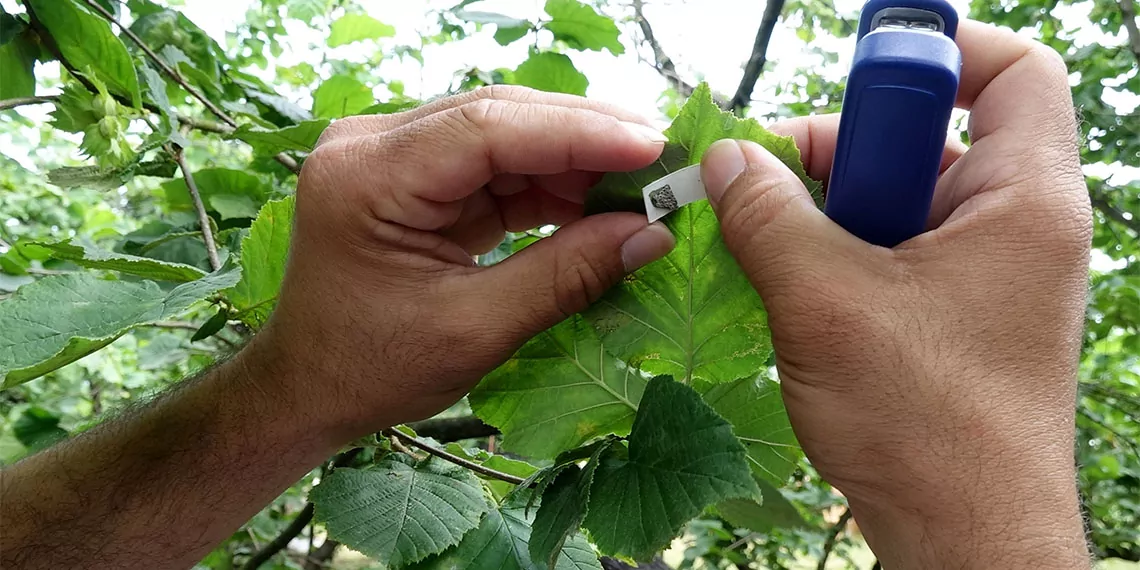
<point>503,92</point>
<point>1051,63</point>
<point>340,129</point>
<point>755,201</point>
<point>483,112</point>
<point>321,163</point>
<point>579,281</point>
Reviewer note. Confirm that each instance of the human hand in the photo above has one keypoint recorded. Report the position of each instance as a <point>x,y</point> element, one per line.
<point>383,317</point>
<point>934,384</point>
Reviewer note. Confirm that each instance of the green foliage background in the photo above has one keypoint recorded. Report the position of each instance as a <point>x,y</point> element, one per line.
<point>105,207</point>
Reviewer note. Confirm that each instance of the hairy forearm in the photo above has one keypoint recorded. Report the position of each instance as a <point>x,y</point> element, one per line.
<point>160,486</point>
<point>1024,514</point>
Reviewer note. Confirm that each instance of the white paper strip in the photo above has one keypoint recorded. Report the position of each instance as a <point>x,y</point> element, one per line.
<point>672,191</point>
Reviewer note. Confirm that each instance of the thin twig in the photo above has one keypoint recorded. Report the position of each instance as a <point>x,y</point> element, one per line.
<point>169,71</point>
<point>175,325</point>
<point>400,447</point>
<point>393,434</point>
<point>21,101</point>
<point>320,557</point>
<point>1112,213</point>
<point>1123,438</point>
<point>661,61</point>
<point>832,538</point>
<point>204,125</point>
<point>196,198</point>
<point>46,272</point>
<point>1128,11</point>
<point>758,57</point>
<point>281,540</point>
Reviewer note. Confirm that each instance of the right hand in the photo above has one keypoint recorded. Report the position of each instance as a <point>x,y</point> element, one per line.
<point>934,384</point>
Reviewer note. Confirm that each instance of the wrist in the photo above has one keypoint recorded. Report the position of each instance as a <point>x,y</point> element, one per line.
<point>1034,523</point>
<point>282,397</point>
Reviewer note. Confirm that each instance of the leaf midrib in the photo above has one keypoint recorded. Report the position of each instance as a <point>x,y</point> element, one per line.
<point>601,370</point>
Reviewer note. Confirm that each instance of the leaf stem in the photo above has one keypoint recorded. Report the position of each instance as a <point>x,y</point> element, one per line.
<point>393,434</point>
<point>196,198</point>
<point>175,325</point>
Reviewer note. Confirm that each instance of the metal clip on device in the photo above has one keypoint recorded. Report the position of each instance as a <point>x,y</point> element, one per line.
<point>896,110</point>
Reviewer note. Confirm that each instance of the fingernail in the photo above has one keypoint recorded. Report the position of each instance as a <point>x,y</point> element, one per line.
<point>648,133</point>
<point>650,244</point>
<point>723,162</point>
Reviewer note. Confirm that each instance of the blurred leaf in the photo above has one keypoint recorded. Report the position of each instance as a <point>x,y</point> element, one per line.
<point>341,96</point>
<point>581,27</point>
<point>18,51</point>
<point>60,319</point>
<point>773,511</point>
<point>300,137</point>
<point>163,351</point>
<point>307,10</point>
<point>170,28</point>
<point>83,252</point>
<point>351,28</point>
<point>108,178</point>
<point>239,187</point>
<point>549,71</point>
<point>506,36</point>
<point>38,429</point>
<point>212,326</point>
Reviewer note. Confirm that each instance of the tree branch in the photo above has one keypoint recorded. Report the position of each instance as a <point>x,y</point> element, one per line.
<point>281,540</point>
<point>21,101</point>
<point>1121,437</point>
<point>203,217</point>
<point>662,62</point>
<point>832,538</point>
<point>320,557</point>
<point>759,56</point>
<point>391,433</point>
<point>1128,10</point>
<point>1110,212</point>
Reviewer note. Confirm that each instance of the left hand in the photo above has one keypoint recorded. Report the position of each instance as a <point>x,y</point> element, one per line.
<point>383,316</point>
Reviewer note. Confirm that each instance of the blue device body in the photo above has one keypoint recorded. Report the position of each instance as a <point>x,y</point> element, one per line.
<point>896,110</point>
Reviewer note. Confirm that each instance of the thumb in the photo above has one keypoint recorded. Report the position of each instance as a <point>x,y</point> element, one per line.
<point>770,223</point>
<point>565,273</point>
